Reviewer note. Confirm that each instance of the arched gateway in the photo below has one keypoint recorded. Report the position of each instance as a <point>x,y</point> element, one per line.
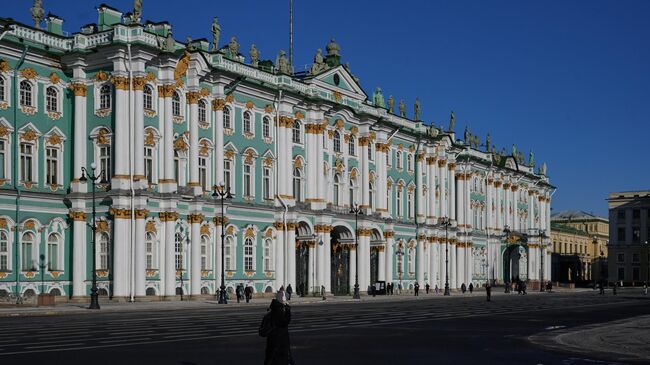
<point>515,258</point>
<point>342,242</point>
<point>304,274</point>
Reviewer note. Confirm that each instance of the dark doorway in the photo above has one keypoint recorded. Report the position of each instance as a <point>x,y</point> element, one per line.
<point>302,268</point>
<point>341,240</point>
<point>374,264</point>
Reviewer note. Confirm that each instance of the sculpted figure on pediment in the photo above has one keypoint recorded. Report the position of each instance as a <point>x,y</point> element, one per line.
<point>391,104</point>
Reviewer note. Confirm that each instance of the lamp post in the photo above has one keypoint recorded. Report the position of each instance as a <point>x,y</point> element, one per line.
<point>506,233</point>
<point>647,248</point>
<point>445,222</point>
<point>356,211</point>
<point>93,177</point>
<point>222,193</point>
<point>542,248</point>
<point>595,242</point>
<point>400,254</point>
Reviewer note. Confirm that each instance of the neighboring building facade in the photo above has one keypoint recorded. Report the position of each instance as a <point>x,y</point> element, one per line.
<point>629,227</point>
<point>579,246</point>
<point>166,122</point>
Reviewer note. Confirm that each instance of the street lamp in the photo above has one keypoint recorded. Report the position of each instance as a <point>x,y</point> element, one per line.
<point>445,222</point>
<point>222,193</point>
<point>356,211</point>
<point>94,178</point>
<point>400,254</point>
<point>506,233</point>
<point>542,248</point>
<point>595,242</point>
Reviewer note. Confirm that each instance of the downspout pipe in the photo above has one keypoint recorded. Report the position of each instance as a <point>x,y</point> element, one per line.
<point>14,174</point>
<point>131,189</point>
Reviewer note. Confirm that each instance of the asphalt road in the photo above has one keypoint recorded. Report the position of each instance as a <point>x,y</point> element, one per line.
<point>451,330</point>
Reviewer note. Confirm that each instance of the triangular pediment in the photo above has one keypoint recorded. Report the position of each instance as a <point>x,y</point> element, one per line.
<point>339,79</point>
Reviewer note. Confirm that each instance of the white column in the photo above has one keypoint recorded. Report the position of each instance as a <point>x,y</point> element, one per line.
<point>364,181</point>
<point>79,257</point>
<point>452,189</point>
<point>168,183</point>
<point>217,246</point>
<point>138,134</point>
<point>442,179</point>
<point>169,275</point>
<point>192,100</point>
<point>321,181</point>
<point>390,243</point>
<point>432,263</point>
<point>532,252</point>
<point>121,141</point>
<point>279,256</point>
<point>353,268</point>
<point>460,203</point>
<point>420,261</point>
<point>364,260</point>
<point>453,276</point>
<point>311,277</point>
<point>380,180</point>
<point>80,133</point>
<point>431,183</point>
<point>469,263</point>
<point>217,106</point>
<point>381,271</point>
<point>291,254</point>
<point>140,259</point>
<point>460,264</point>
<point>121,238</point>
<point>420,196</point>
<point>195,254</point>
<point>443,266</point>
<point>327,258</point>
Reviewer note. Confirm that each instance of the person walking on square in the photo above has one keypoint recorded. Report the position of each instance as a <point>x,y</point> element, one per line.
<point>275,327</point>
<point>281,296</point>
<point>437,290</point>
<point>416,289</point>
<point>645,288</point>
<point>289,292</point>
<point>248,293</point>
<point>471,288</point>
<point>399,288</point>
<point>601,289</point>
<point>322,291</point>
<point>238,292</point>
<point>614,289</point>
<point>488,291</point>
<point>427,287</point>
<point>463,288</point>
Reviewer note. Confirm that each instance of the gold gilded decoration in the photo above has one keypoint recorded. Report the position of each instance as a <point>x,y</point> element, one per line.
<point>150,227</point>
<point>119,213</point>
<point>168,216</point>
<point>249,105</point>
<point>54,140</point>
<point>354,130</point>
<point>268,108</point>
<point>77,215</point>
<point>151,273</point>
<point>139,82</point>
<point>205,229</point>
<point>102,137</point>
<point>3,131</point>
<point>29,110</point>
<point>411,148</point>
<point>431,160</point>
<point>193,97</point>
<point>278,225</point>
<point>102,273</point>
<point>204,148</point>
<point>297,163</point>
<point>249,157</point>
<point>3,223</point>
<point>4,66</point>
<point>229,154</point>
<point>441,163</point>
<point>195,218</point>
<point>141,213</point>
<point>451,166</point>
<point>299,115</point>
<point>102,226</point>
<point>389,234</point>
<point>219,221</point>
<point>101,76</point>
<point>28,73</point>
<point>250,233</point>
<point>182,66</point>
<point>268,161</point>
<point>29,135</point>
<point>54,78</point>
<point>30,274</point>
<point>55,274</point>
<point>30,224</point>
<point>339,123</point>
<point>166,91</point>
<point>204,92</point>
<point>150,76</point>
<point>121,82</point>
<point>180,145</point>
<point>218,104</point>
<point>230,98</point>
<point>149,139</point>
<point>179,83</point>
<point>338,96</point>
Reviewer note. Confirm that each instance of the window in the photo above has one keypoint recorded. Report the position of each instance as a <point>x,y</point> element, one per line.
<point>204,252</point>
<point>297,184</point>
<point>635,274</point>
<point>52,166</point>
<point>370,157</point>
<point>51,99</point>
<point>409,203</point>
<point>26,96</point>
<point>105,97</point>
<point>176,104</point>
<point>150,244</point>
<point>53,252</point>
<point>635,257</point>
<point>148,163</point>
<point>388,156</point>
<point>247,122</point>
<point>337,141</point>
<point>636,234</point>
<point>228,254</point>
<point>337,189</point>
<point>620,257</point>
<point>3,89</point>
<point>266,127</point>
<point>266,183</point>
<point>177,167</point>
<point>636,214</point>
<point>353,188</point>
<point>400,261</point>
<point>4,251</point>
<point>399,201</point>
<point>411,260</point>
<point>105,160</point>
<point>621,234</point>
<point>147,96</point>
<point>398,157</point>
<point>295,132</point>
<point>226,118</point>
<point>227,174</point>
<point>351,146</point>
<point>268,255</point>
<point>371,195</point>
<point>621,215</point>
<point>248,255</point>
<point>28,251</point>
<point>178,251</point>
<point>102,243</point>
<point>26,162</point>
<point>203,114</point>
<point>621,274</point>
<point>409,162</point>
<point>3,158</point>
<point>203,172</point>
<point>248,180</point>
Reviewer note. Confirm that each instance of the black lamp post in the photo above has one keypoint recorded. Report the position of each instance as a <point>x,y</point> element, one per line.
<point>595,242</point>
<point>356,211</point>
<point>445,222</point>
<point>506,233</point>
<point>94,178</point>
<point>542,235</point>
<point>400,254</point>
<point>42,265</point>
<point>222,193</point>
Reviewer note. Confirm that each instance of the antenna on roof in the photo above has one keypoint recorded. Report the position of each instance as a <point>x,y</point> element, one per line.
<point>291,33</point>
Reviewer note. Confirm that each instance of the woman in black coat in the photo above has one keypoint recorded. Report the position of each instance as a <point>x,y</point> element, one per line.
<point>277,342</point>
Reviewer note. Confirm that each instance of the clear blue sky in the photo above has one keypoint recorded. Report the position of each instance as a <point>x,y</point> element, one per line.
<point>569,79</point>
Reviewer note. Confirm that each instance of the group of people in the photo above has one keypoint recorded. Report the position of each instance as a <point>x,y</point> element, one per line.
<point>244,293</point>
<point>518,285</point>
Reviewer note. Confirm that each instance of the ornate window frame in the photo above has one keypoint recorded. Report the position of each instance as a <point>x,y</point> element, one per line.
<point>32,108</point>
<point>101,110</point>
<point>102,138</point>
<point>60,93</point>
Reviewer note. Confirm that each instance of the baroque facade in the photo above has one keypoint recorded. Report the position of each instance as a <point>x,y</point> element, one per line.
<point>166,122</point>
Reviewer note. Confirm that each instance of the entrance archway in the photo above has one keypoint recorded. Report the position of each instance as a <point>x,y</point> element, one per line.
<point>515,263</point>
<point>304,238</point>
<point>376,245</point>
<point>341,242</point>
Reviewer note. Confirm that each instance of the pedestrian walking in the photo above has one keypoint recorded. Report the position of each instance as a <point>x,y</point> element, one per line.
<point>281,295</point>
<point>416,289</point>
<point>437,289</point>
<point>289,292</point>
<point>471,288</point>
<point>275,327</point>
<point>523,288</point>
<point>645,288</point>
<point>322,291</point>
<point>488,291</point>
<point>426,287</point>
<point>248,293</point>
<point>239,293</point>
<point>399,288</point>
<point>601,288</point>
<point>507,287</point>
<point>463,288</point>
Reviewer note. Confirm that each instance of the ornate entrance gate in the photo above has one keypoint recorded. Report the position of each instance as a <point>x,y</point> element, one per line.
<point>515,263</point>
<point>302,268</point>
<point>374,264</point>
<point>341,241</point>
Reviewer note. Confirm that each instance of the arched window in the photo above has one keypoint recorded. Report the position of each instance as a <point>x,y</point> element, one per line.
<point>176,104</point>
<point>409,162</point>
<point>226,118</point>
<point>266,183</point>
<point>51,99</point>
<point>398,201</point>
<point>337,189</point>
<point>203,113</point>
<point>178,251</point>
<point>105,97</point>
<point>102,251</point>
<point>353,188</point>
<point>400,260</point>
<point>26,95</point>
<point>4,251</point>
<point>297,184</point>
<point>351,146</point>
<point>336,139</point>
<point>398,159</point>
<point>409,203</point>
<point>248,255</point>
<point>205,253</point>
<point>228,249</point>
<point>248,180</point>
<point>247,122</point>
<point>203,172</point>
<point>53,252</point>
<point>266,127</point>
<point>3,89</point>
<point>150,251</point>
<point>295,132</point>
<point>147,96</point>
<point>268,255</point>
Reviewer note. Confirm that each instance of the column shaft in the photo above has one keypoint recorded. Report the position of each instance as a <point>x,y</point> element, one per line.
<point>140,259</point>
<point>195,253</point>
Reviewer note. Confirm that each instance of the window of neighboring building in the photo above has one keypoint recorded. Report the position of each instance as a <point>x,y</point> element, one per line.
<point>621,234</point>
<point>248,255</point>
<point>636,234</point>
<point>621,215</point>
<point>266,127</point>
<point>26,94</point>
<point>147,96</point>
<point>635,257</point>
<point>621,257</point>
<point>176,104</point>
<point>336,140</point>
<point>296,132</point>
<point>636,214</point>
<point>51,99</point>
<point>621,274</point>
<point>636,274</point>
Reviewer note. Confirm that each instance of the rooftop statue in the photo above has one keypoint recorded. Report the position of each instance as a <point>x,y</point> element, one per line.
<point>531,159</point>
<point>233,48</point>
<point>416,112</point>
<point>452,122</point>
<point>170,43</point>
<point>282,63</point>
<point>391,104</point>
<point>514,150</point>
<point>487,142</point>
<point>38,13</point>
<point>319,64</point>
<point>477,141</point>
<point>402,109</point>
<point>378,98</point>
<point>494,150</point>
<point>190,46</point>
<point>333,48</point>
<point>216,32</point>
<point>432,131</point>
<point>466,135</point>
<point>254,54</point>
<point>137,10</point>
<point>542,170</point>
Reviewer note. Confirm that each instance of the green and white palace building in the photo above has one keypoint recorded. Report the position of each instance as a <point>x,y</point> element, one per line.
<point>166,122</point>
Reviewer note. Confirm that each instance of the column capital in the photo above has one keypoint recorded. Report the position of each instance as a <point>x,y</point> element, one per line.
<point>168,216</point>
<point>121,82</point>
<point>120,213</point>
<point>218,104</point>
<point>219,220</point>
<point>78,89</point>
<point>195,218</point>
<point>193,97</point>
<point>166,91</point>
<point>389,234</point>
<point>141,213</point>
<point>77,215</point>
<point>139,82</point>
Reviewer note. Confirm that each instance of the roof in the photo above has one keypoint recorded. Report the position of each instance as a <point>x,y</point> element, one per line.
<point>573,215</point>
<point>557,227</point>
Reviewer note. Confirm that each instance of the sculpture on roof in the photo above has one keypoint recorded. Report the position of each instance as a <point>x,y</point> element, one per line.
<point>38,13</point>
<point>216,32</point>
<point>137,10</point>
<point>416,111</point>
<point>333,48</point>
<point>452,122</point>
<point>233,48</point>
<point>432,131</point>
<point>402,109</point>
<point>282,63</point>
<point>170,44</point>
<point>378,98</point>
<point>254,54</point>
<point>531,159</point>
<point>189,45</point>
<point>487,143</point>
<point>319,64</point>
<point>466,135</point>
<point>542,169</point>
<point>391,104</point>
<point>514,150</point>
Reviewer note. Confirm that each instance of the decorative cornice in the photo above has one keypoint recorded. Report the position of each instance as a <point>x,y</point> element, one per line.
<point>168,216</point>
<point>77,215</point>
<point>121,82</point>
<point>195,218</point>
<point>193,97</point>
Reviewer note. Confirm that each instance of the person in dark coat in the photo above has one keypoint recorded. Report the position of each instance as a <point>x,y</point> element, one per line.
<point>289,292</point>
<point>488,291</point>
<point>463,288</point>
<point>416,289</point>
<point>471,288</point>
<point>248,293</point>
<point>239,292</point>
<point>277,342</point>
<point>427,287</point>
